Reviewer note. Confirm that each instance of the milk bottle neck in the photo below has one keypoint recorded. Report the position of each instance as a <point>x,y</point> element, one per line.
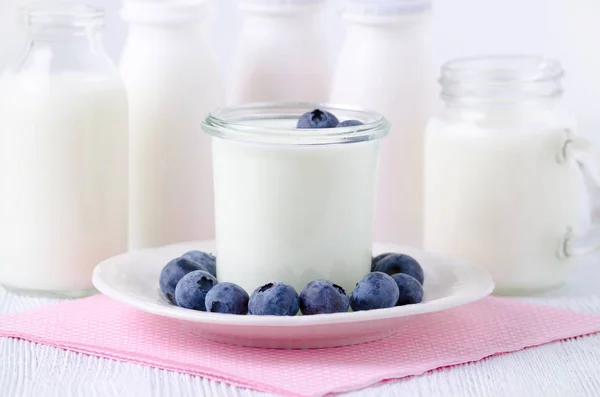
<point>387,15</point>
<point>63,23</point>
<point>167,14</point>
<point>281,8</point>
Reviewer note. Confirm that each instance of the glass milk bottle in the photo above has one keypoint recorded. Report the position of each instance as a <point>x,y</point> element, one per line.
<point>282,54</point>
<point>172,82</point>
<point>504,188</point>
<point>63,155</point>
<point>384,65</point>
<point>306,211</point>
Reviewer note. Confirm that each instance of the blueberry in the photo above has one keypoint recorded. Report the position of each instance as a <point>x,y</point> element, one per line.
<point>317,119</point>
<point>400,263</point>
<point>227,298</point>
<point>375,291</point>
<point>191,290</point>
<point>274,299</point>
<point>376,260</point>
<point>411,290</point>
<point>350,123</point>
<point>322,296</point>
<point>173,272</point>
<point>207,261</point>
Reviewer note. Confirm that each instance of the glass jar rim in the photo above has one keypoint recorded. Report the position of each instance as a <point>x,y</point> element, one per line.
<point>509,68</point>
<point>501,79</point>
<point>235,123</point>
<point>62,12</point>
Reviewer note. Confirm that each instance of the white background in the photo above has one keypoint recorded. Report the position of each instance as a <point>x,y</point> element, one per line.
<point>566,29</point>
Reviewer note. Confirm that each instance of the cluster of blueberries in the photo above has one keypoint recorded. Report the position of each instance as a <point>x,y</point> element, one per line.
<point>318,118</point>
<point>189,281</point>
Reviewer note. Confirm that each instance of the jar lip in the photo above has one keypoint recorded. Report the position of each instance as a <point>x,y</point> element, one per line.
<point>501,69</point>
<point>501,79</point>
<point>62,12</point>
<point>238,123</point>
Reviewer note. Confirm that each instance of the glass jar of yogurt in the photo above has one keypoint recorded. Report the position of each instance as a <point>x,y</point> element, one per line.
<point>293,205</point>
<point>504,182</point>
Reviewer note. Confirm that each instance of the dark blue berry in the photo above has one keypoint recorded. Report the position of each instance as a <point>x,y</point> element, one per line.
<point>207,261</point>
<point>173,272</point>
<point>376,260</point>
<point>227,298</point>
<point>410,289</point>
<point>191,290</point>
<point>274,299</point>
<point>400,263</point>
<point>350,123</point>
<point>322,296</point>
<point>375,291</point>
<point>317,119</point>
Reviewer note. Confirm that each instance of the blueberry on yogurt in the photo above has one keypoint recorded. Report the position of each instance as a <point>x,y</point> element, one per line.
<point>173,272</point>
<point>191,290</point>
<point>227,298</point>
<point>350,123</point>
<point>274,299</point>
<point>207,261</point>
<point>322,297</point>
<point>317,119</point>
<point>375,291</point>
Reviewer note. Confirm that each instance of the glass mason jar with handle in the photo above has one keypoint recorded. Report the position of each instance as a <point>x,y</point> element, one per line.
<point>505,173</point>
<point>63,154</point>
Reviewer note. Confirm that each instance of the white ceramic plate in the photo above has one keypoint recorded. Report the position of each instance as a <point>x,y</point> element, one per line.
<point>132,279</point>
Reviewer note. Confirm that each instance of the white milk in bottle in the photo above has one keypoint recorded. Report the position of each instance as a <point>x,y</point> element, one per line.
<point>385,65</point>
<point>282,54</point>
<point>63,155</point>
<point>172,82</point>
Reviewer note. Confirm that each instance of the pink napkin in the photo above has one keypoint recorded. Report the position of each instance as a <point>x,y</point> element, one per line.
<point>101,327</point>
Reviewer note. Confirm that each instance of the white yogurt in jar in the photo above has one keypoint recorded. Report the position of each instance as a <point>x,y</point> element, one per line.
<point>290,210</point>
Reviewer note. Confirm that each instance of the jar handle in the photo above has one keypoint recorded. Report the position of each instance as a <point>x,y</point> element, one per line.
<point>588,157</point>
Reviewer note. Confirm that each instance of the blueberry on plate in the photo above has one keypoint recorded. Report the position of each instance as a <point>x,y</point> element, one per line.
<point>400,263</point>
<point>375,291</point>
<point>410,289</point>
<point>274,299</point>
<point>227,298</point>
<point>173,272</point>
<point>317,119</point>
<point>322,297</point>
<point>191,290</point>
<point>208,261</point>
<point>376,260</point>
<point>350,123</point>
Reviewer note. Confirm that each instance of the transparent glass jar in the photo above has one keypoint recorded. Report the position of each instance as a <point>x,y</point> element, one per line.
<point>503,184</point>
<point>63,154</point>
<point>293,205</point>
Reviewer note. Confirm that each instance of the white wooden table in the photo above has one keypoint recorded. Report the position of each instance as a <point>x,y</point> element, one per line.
<point>565,369</point>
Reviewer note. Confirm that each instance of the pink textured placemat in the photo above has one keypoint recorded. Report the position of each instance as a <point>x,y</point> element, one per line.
<point>102,327</point>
